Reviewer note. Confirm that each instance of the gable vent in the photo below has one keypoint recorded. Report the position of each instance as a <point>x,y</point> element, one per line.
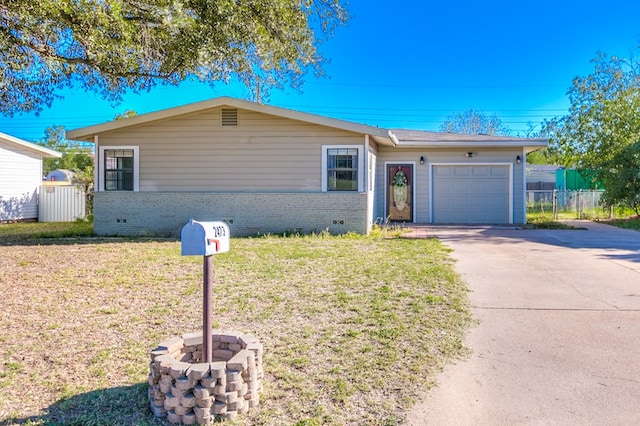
<point>229,117</point>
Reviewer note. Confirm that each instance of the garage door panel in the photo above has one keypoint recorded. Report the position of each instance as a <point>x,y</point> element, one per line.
<point>462,171</point>
<point>471,194</point>
<point>482,203</point>
<point>483,186</point>
<point>459,186</point>
<point>499,171</point>
<point>459,202</point>
<point>442,171</point>
<point>480,171</point>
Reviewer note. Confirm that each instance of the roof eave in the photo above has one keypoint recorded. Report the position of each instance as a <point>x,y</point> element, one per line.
<point>44,151</point>
<point>527,143</point>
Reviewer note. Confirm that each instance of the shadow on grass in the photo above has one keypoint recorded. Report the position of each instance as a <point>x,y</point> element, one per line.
<point>125,405</point>
<point>70,241</point>
<point>63,234</point>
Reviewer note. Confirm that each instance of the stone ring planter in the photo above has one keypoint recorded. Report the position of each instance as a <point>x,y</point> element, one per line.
<point>185,390</point>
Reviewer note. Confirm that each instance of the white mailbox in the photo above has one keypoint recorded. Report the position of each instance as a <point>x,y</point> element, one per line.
<point>204,238</point>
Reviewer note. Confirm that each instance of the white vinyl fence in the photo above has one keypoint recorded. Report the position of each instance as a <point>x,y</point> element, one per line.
<point>62,203</point>
<point>582,203</point>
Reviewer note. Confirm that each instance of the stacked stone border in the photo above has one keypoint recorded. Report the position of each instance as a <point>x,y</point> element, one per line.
<point>188,391</point>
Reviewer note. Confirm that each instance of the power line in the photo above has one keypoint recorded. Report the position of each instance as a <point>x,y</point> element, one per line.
<point>33,128</point>
<point>302,107</point>
<point>440,86</point>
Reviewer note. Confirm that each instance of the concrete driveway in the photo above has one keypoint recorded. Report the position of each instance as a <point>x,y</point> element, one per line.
<point>558,340</point>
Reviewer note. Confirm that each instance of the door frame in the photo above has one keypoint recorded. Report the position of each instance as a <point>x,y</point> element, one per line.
<point>509,176</point>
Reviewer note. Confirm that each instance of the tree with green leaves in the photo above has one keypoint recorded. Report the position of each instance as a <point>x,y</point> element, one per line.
<point>623,183</point>
<point>110,46</point>
<point>602,131</point>
<point>75,157</point>
<point>126,114</point>
<point>472,122</point>
<point>547,155</point>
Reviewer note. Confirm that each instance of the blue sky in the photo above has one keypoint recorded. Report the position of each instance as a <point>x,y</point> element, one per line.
<point>410,64</point>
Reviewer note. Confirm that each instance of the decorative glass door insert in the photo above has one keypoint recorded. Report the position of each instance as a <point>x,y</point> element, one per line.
<point>400,192</point>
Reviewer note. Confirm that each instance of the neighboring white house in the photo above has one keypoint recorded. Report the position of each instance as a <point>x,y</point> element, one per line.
<point>265,169</point>
<point>20,177</point>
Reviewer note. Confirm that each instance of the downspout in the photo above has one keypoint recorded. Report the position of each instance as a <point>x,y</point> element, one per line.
<point>366,163</point>
<point>96,163</point>
<point>369,217</point>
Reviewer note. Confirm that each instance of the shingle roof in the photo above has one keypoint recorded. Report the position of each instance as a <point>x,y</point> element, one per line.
<point>445,139</point>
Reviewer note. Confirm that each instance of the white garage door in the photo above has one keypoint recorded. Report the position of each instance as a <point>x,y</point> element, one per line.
<point>470,194</point>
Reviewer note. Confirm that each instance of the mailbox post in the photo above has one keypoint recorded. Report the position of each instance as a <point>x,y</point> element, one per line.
<point>205,239</point>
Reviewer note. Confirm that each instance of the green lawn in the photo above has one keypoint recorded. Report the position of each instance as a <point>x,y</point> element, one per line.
<point>355,328</point>
<point>628,223</point>
<point>14,232</point>
<point>546,221</point>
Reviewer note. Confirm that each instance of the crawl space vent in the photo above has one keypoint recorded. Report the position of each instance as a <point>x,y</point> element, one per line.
<point>229,117</point>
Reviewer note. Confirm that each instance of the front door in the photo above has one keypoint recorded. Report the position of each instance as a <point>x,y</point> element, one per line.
<point>400,192</point>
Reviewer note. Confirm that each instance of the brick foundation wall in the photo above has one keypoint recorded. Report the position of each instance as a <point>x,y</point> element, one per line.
<point>164,213</point>
<point>185,390</point>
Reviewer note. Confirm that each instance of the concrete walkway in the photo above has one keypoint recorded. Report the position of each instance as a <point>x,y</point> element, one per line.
<point>558,340</point>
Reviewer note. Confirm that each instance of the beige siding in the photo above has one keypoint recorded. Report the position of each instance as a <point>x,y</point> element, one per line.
<point>263,153</point>
<point>421,190</point>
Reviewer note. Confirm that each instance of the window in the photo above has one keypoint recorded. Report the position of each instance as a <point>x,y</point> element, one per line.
<point>120,169</point>
<point>342,167</point>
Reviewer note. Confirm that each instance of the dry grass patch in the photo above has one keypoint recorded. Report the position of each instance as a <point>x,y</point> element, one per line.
<point>354,328</point>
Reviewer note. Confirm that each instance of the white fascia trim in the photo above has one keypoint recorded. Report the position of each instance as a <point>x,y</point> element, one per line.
<point>509,213</point>
<point>361,162</point>
<point>394,138</point>
<point>483,144</point>
<point>414,183</point>
<point>136,166</point>
<point>30,146</point>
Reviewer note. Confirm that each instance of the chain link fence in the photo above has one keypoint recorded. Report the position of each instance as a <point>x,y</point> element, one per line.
<point>581,204</point>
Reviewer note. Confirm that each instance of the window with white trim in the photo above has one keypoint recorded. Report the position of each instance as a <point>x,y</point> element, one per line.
<point>119,168</point>
<point>342,168</point>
